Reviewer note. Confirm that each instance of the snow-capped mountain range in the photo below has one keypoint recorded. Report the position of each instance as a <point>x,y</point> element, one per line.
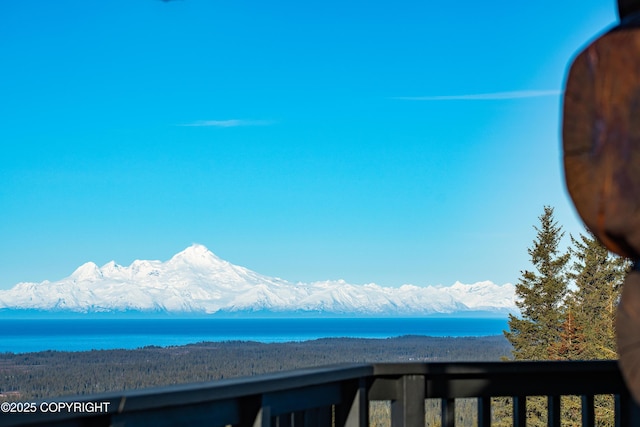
<point>195,281</point>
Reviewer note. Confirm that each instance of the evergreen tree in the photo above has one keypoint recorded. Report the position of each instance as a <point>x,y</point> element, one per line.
<point>540,294</point>
<point>562,325</point>
<point>598,276</point>
<point>572,343</point>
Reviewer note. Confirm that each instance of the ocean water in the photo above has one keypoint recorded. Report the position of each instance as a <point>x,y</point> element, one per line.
<point>79,334</point>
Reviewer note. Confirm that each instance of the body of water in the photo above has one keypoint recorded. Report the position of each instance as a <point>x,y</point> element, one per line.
<point>78,334</point>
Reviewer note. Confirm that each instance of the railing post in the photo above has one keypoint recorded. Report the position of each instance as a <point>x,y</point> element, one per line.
<point>588,411</point>
<point>354,410</point>
<point>484,411</point>
<point>408,408</point>
<point>448,412</point>
<point>519,411</point>
<point>553,411</point>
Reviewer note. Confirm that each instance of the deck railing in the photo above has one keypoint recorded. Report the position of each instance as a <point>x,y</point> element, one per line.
<point>340,395</point>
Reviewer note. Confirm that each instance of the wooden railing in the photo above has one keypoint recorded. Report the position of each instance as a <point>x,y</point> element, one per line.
<point>340,395</point>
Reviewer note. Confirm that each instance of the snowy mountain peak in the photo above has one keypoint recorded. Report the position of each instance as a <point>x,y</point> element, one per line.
<point>197,281</point>
<point>197,255</point>
<point>88,271</point>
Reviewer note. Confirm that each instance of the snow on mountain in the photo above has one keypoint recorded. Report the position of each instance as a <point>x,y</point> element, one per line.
<point>197,281</point>
<point>484,295</point>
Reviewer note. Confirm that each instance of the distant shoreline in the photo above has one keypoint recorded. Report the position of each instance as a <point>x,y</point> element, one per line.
<point>311,342</point>
<point>73,334</point>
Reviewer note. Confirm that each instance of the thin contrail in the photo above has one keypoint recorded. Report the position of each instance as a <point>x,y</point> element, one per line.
<point>229,123</point>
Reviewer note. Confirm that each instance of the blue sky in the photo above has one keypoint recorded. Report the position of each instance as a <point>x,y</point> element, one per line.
<point>389,142</point>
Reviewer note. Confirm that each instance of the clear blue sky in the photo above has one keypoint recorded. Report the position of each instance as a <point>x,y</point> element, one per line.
<point>380,141</point>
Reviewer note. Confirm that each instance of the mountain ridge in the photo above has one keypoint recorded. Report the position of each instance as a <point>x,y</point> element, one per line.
<point>196,281</point>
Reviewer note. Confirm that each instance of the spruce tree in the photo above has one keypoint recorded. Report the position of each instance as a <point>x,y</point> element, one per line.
<point>598,276</point>
<point>572,343</point>
<point>540,295</point>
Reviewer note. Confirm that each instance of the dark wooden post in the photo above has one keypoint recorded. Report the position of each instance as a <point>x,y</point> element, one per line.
<point>601,142</point>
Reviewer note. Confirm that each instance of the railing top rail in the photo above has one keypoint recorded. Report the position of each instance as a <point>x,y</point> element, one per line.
<point>488,379</point>
<point>232,388</point>
<point>496,368</point>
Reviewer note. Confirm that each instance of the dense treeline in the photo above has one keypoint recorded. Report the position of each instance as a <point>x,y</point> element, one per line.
<point>568,306</point>
<point>31,376</point>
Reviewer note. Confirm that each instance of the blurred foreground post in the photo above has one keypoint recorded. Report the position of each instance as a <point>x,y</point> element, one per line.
<point>601,144</point>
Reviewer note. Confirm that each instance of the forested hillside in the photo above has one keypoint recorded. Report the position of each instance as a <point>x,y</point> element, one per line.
<point>46,374</point>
